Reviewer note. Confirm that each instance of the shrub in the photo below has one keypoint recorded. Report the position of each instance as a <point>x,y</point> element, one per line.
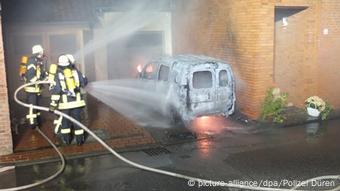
<point>273,105</point>
<point>325,113</point>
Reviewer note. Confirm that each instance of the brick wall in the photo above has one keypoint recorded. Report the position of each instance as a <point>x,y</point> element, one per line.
<point>295,51</point>
<point>243,34</point>
<point>6,145</point>
<point>329,50</point>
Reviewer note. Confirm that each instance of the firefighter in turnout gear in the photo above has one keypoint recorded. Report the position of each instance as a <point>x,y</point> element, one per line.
<point>66,97</point>
<point>35,71</point>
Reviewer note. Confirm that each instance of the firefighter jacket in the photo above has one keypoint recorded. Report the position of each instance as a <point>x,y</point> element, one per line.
<point>65,92</point>
<point>35,72</point>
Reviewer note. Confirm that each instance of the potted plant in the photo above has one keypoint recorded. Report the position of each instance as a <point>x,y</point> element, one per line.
<point>315,107</point>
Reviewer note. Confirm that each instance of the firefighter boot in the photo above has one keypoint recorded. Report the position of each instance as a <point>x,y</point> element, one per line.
<point>32,126</point>
<point>66,138</point>
<point>80,139</point>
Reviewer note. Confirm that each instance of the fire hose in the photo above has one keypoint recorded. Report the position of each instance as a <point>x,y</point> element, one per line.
<point>136,165</point>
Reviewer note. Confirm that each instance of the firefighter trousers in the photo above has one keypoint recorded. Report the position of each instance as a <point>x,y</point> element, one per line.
<point>67,126</point>
<point>33,115</point>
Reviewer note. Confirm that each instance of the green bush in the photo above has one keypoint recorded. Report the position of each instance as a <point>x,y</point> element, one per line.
<point>325,113</point>
<point>273,105</point>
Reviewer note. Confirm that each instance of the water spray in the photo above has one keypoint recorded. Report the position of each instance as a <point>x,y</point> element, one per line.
<point>136,165</point>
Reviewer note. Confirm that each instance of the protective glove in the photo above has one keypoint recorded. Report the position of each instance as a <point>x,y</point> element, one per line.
<point>77,89</point>
<point>85,80</point>
<point>71,93</point>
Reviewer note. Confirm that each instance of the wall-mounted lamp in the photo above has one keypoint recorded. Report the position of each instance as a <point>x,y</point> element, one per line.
<point>325,31</point>
<point>284,22</point>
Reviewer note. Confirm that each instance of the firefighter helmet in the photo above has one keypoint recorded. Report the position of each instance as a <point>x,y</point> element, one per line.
<point>71,58</point>
<point>63,61</point>
<point>37,49</point>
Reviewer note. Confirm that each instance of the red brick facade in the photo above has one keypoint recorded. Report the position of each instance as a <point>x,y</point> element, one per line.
<point>329,52</point>
<point>6,146</point>
<point>298,58</point>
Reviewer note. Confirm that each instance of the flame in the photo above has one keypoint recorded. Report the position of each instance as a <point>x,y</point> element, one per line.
<point>149,69</point>
<point>139,68</point>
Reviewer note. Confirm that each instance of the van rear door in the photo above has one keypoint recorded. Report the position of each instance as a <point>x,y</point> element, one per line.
<point>224,90</point>
<point>201,90</point>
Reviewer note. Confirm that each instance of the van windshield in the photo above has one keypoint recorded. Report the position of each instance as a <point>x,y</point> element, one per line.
<point>202,79</point>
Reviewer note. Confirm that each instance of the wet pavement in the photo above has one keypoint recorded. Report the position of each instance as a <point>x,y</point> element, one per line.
<point>109,125</point>
<point>214,148</point>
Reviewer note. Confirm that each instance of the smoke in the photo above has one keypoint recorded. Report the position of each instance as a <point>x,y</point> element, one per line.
<point>117,26</point>
<point>128,35</point>
<point>142,101</point>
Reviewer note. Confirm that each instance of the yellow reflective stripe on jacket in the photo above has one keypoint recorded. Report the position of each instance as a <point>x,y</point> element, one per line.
<point>64,104</point>
<point>64,98</point>
<point>51,77</point>
<point>54,104</point>
<point>57,124</point>
<point>72,104</point>
<point>79,132</point>
<point>65,131</point>
<point>55,97</point>
<point>78,97</point>
<point>32,89</point>
<point>31,116</point>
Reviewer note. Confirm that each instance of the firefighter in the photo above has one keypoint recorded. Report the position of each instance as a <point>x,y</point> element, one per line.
<point>66,97</point>
<point>35,71</point>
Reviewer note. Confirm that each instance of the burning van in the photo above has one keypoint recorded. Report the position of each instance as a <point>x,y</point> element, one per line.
<point>195,85</point>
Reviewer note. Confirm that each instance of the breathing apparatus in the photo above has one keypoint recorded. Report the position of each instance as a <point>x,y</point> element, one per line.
<point>51,74</point>
<point>70,82</point>
<point>68,75</point>
<point>23,67</point>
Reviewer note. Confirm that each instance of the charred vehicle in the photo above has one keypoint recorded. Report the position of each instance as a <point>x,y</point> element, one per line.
<point>195,85</point>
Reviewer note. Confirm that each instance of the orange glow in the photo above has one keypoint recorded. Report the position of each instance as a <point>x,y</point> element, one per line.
<point>149,69</point>
<point>210,124</point>
<point>139,68</point>
<point>204,147</point>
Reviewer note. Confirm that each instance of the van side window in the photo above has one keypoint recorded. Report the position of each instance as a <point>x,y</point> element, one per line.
<point>202,79</point>
<point>223,78</point>
<point>163,73</point>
